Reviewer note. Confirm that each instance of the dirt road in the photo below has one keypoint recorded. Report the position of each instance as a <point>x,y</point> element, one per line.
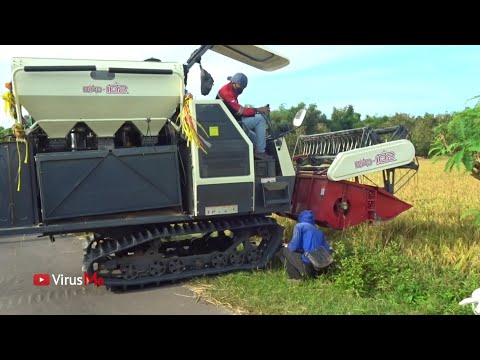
<point>23,256</point>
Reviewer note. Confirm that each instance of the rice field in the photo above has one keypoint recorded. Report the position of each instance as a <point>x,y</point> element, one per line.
<point>422,262</point>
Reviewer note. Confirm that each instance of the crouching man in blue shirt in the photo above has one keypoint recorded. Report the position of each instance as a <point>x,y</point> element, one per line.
<point>306,237</point>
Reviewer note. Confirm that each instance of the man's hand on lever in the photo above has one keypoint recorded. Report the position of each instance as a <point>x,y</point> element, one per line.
<point>264,109</point>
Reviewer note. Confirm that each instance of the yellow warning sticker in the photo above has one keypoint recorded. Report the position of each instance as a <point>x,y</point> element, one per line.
<point>213,131</point>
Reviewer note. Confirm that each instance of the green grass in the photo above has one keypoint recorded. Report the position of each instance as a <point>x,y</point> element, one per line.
<point>269,292</point>
<point>368,283</point>
<point>423,262</point>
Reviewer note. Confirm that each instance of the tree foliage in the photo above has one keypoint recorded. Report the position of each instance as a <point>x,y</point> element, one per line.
<point>459,140</point>
<point>422,131</point>
<point>375,121</point>
<point>3,133</point>
<point>314,119</point>
<point>345,118</point>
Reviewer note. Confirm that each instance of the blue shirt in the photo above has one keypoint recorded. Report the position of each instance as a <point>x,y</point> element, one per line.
<point>307,237</point>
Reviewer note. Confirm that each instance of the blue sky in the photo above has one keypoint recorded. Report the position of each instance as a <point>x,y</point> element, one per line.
<point>375,79</point>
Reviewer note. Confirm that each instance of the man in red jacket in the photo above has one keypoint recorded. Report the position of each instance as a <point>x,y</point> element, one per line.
<point>251,117</point>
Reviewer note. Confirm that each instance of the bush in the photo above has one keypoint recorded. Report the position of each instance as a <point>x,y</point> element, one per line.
<point>383,272</point>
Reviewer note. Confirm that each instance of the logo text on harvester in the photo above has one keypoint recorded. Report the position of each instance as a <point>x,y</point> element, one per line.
<point>62,280</point>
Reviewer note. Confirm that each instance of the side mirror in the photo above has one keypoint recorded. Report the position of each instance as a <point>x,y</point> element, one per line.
<point>297,121</point>
<point>299,117</point>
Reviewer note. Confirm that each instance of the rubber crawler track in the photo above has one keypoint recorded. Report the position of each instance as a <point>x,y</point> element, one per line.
<point>131,239</point>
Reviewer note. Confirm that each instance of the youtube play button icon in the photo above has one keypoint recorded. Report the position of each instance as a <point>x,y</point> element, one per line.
<point>41,279</point>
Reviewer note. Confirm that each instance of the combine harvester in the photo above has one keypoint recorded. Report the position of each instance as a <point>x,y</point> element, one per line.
<point>169,185</point>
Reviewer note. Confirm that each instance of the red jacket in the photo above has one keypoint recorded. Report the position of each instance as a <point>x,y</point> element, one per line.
<point>230,98</point>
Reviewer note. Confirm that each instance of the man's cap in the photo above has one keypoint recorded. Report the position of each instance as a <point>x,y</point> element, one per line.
<point>239,79</point>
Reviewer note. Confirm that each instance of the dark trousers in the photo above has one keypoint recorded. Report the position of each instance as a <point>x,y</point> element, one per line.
<point>296,267</point>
